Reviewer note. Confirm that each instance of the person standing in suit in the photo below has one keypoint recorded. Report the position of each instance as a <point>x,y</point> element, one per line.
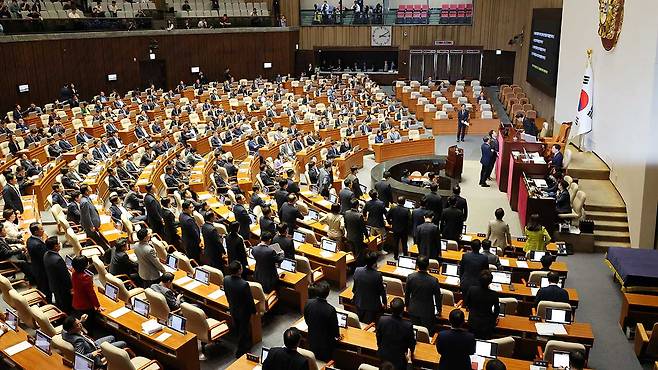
<point>400,219</point>
<point>428,238</point>
<point>90,220</point>
<point>73,208</point>
<point>462,123</point>
<point>498,231</point>
<point>483,307</point>
<point>553,292</point>
<point>36,248</point>
<point>452,221</point>
<point>470,266</point>
<point>493,142</point>
<point>356,230</point>
<point>491,257</point>
<point>266,260</point>
<point>85,301</point>
<point>149,266</point>
<point>558,158</point>
<point>422,295</point>
<point>242,216</point>
<point>289,213</point>
<point>241,305</point>
<point>460,202</point>
<point>434,203</point>
<point>455,345</point>
<point>11,194</point>
<point>170,229</point>
<point>375,212</point>
<point>285,242</point>
<point>368,289</point>
<point>281,194</point>
<point>384,190</point>
<point>213,250</point>
<point>287,358</point>
<point>153,210</point>
<point>120,262</point>
<point>418,215</point>
<point>487,160</point>
<point>235,248</point>
<point>59,278</point>
<point>325,179</point>
<point>345,195</point>
<point>395,337</point>
<point>190,233</point>
<point>322,322</point>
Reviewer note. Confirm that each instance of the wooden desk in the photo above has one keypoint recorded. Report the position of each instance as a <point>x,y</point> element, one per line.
<point>152,172</point>
<point>640,308</point>
<point>505,147</point>
<point>201,144</point>
<point>247,171</point>
<point>201,172</point>
<point>344,164</point>
<point>271,150</point>
<point>237,148</point>
<point>332,133</point>
<point>528,205</point>
<point>517,167</point>
<point>420,147</point>
<point>360,140</point>
<point>42,187</point>
<point>128,136</point>
<point>304,156</point>
<point>178,351</point>
<point>334,265</point>
<point>30,358</point>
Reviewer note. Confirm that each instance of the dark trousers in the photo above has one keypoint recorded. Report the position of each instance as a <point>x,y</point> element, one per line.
<point>484,173</point>
<point>368,316</point>
<point>426,322</point>
<point>461,131</point>
<point>148,283</point>
<point>242,326</point>
<point>63,300</point>
<point>97,238</point>
<point>490,169</point>
<point>400,238</point>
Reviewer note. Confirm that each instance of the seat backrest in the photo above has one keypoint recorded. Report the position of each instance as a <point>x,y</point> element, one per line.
<point>505,346</point>
<point>511,305</point>
<point>652,346</point>
<point>197,322</point>
<point>579,202</point>
<point>447,297</point>
<point>452,245</point>
<point>312,363</point>
<point>543,305</point>
<point>394,286</point>
<point>304,266</point>
<point>535,277</point>
<point>117,358</point>
<point>567,158</point>
<point>422,334</point>
<point>259,295</point>
<point>573,189</point>
<point>367,367</point>
<point>157,304</point>
<point>215,275</point>
<point>42,320</point>
<point>5,287</point>
<point>557,345</point>
<point>22,309</point>
<point>63,347</point>
<point>123,292</point>
<point>184,263</point>
<point>100,268</point>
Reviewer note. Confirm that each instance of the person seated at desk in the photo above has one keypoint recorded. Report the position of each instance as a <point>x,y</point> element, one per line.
<point>14,250</point>
<point>483,307</point>
<point>379,137</point>
<point>345,146</point>
<point>563,199</point>
<point>334,151</point>
<point>54,150</point>
<point>253,145</point>
<point>365,128</point>
<point>115,183</point>
<point>553,292</point>
<point>495,364</point>
<point>83,137</point>
<point>87,346</point>
<point>298,143</point>
<point>58,198</point>
<point>287,358</point>
<point>556,160</point>
<point>455,345</point>
<point>166,288</point>
<point>264,176</point>
<point>537,235</point>
<point>120,262</point>
<point>386,125</point>
<point>394,136</point>
<point>529,127</point>
<point>577,360</point>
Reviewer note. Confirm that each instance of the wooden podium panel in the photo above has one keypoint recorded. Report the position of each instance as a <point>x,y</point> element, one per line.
<point>505,147</point>
<point>410,148</point>
<point>517,168</point>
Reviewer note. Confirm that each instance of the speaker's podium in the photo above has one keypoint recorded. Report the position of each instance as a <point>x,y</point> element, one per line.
<point>455,162</point>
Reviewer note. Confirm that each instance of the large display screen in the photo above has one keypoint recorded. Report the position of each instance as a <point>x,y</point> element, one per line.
<point>544,49</point>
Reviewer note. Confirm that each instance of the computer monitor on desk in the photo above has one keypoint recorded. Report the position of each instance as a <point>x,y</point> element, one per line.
<point>529,138</point>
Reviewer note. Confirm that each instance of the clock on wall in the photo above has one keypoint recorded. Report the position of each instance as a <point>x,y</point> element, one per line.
<point>381,35</point>
<point>611,17</point>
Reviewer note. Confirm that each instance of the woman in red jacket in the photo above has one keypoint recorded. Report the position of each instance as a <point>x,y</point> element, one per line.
<point>84,295</point>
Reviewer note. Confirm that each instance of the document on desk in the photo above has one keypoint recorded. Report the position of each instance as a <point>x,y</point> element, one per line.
<point>22,346</point>
<point>452,280</point>
<point>550,329</point>
<point>216,294</point>
<point>119,312</point>
<point>302,326</point>
<point>184,280</point>
<point>477,360</point>
<point>522,264</point>
<point>162,337</point>
<point>105,219</point>
<point>403,271</point>
<point>504,261</point>
<point>151,327</point>
<point>540,183</point>
<point>326,254</point>
<point>467,238</point>
<point>204,196</point>
<point>496,287</point>
<point>534,291</point>
<point>193,285</point>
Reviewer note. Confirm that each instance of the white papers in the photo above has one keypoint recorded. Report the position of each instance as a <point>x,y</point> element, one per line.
<point>183,280</point>
<point>192,285</point>
<point>151,326</point>
<point>326,254</point>
<point>302,326</point>
<point>467,238</point>
<point>534,291</point>
<point>479,360</point>
<point>169,269</point>
<point>216,294</point>
<point>119,312</point>
<point>251,261</point>
<point>111,232</point>
<point>452,280</point>
<point>504,261</point>
<point>22,346</point>
<point>540,183</point>
<point>496,287</point>
<point>105,219</point>
<point>403,271</point>
<point>132,257</point>
<point>162,337</point>
<point>204,196</point>
<point>516,153</point>
<point>522,264</point>
<point>535,367</point>
<point>549,329</point>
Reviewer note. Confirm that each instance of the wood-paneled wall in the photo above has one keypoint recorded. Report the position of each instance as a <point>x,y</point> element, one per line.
<point>47,64</point>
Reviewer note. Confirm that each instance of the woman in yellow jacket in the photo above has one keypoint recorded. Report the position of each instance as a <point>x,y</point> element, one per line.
<point>538,236</point>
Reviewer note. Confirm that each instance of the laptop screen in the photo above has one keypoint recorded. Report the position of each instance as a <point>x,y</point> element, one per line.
<point>289,265</point>
<point>263,354</point>
<point>12,320</point>
<point>449,269</point>
<point>342,319</point>
<point>298,237</point>
<point>172,261</point>
<point>69,262</point>
<point>176,322</point>
<point>444,245</point>
<point>485,349</point>
<point>558,316</point>
<point>332,198</point>
<point>536,256</point>
<point>81,362</point>
<point>463,229</point>
<point>202,276</point>
<point>407,262</point>
<point>502,306</point>
<point>561,360</point>
<point>141,307</point>
<point>111,291</point>
<point>312,214</point>
<point>42,342</point>
<point>329,245</point>
<point>502,277</point>
<point>545,283</point>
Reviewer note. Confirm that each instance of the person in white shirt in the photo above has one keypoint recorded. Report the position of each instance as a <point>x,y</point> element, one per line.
<point>74,14</point>
<point>13,231</point>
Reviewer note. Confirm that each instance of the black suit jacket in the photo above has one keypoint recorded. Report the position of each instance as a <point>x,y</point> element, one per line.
<point>73,213</point>
<point>286,245</point>
<point>242,217</point>
<point>266,273</point>
<point>455,347</point>
<point>552,293</point>
<point>421,294</point>
<point>281,358</point>
<point>384,191</point>
<point>470,267</point>
<point>322,323</point>
<point>290,214</point>
<point>121,264</point>
<point>59,278</point>
<point>345,195</point>
<point>240,301</point>
<point>461,204</point>
<point>153,212</point>
<point>213,246</point>
<point>190,235</point>
<point>483,309</point>
<point>170,226</point>
<point>394,337</point>
<point>235,249</point>
<point>355,227</point>
<point>452,223</point>
<point>428,239</point>
<point>434,204</point>
<point>84,167</point>
<point>37,248</point>
<point>280,197</point>
<point>376,212</point>
<point>12,198</point>
<point>417,217</point>
<point>368,288</point>
<point>400,219</point>
<point>58,198</point>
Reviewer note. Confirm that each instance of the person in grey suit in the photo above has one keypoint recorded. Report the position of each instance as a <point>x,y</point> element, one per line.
<point>84,345</point>
<point>423,296</point>
<point>470,266</point>
<point>166,288</point>
<point>498,231</point>
<point>491,257</point>
<point>90,220</point>
<point>369,291</point>
<point>59,278</point>
<point>266,260</point>
<point>345,195</point>
<point>149,266</point>
<point>325,179</point>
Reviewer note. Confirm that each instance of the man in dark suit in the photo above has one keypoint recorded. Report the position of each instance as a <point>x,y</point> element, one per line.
<point>487,160</point>
<point>470,266</point>
<point>462,123</point>
<point>375,212</point>
<point>460,202</point>
<point>72,332</point>
<point>452,221</point>
<point>170,229</point>
<point>59,278</point>
<point>423,296</point>
<point>400,219</point>
<point>134,201</point>
<point>73,208</point>
<point>213,245</point>
<point>345,195</point>
<point>428,238</point>
<point>281,194</point>
<point>115,182</point>
<point>356,230</point>
<point>190,233</point>
<point>153,210</point>
<point>266,259</point>
<point>289,214</point>
<point>241,306</point>
<point>369,291</point>
<point>395,337</point>
<point>11,194</point>
<point>293,186</point>
<point>322,322</point>
<point>434,203</point>
<point>86,165</point>
<point>242,216</point>
<point>170,180</point>
<point>37,249</point>
<point>556,161</point>
<point>384,189</point>
<point>58,198</point>
<point>90,220</point>
<point>552,292</point>
<point>287,358</point>
<point>455,345</point>
<point>285,242</point>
